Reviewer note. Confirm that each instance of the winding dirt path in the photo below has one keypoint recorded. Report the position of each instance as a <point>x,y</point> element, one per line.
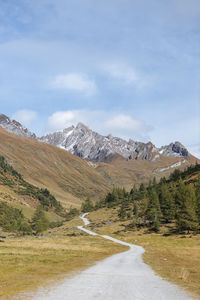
<point>123,276</point>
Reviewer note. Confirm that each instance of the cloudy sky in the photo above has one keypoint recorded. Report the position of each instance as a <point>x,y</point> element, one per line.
<point>126,67</point>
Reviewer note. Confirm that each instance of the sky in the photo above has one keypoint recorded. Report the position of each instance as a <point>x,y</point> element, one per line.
<point>126,67</point>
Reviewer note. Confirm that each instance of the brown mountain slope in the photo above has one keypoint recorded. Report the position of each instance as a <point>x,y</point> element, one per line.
<point>69,178</point>
<point>122,172</point>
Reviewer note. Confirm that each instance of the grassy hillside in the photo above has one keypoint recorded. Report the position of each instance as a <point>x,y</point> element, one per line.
<point>122,172</point>
<point>68,177</point>
<point>31,194</point>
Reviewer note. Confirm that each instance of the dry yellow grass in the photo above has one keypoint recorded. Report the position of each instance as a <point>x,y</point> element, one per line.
<point>175,258</point>
<point>26,263</point>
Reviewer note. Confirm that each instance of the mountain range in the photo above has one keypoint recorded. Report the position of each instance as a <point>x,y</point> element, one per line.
<point>95,163</point>
<point>81,141</point>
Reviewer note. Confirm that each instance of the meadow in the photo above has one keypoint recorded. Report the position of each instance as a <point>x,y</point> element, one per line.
<point>29,262</point>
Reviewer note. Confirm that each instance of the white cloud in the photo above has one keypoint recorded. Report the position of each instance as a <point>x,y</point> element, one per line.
<point>63,119</point>
<point>121,125</point>
<point>126,74</point>
<point>125,126</point>
<point>25,116</point>
<point>123,121</point>
<point>74,82</point>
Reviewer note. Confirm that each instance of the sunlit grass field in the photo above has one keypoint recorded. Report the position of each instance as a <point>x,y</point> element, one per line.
<point>29,262</point>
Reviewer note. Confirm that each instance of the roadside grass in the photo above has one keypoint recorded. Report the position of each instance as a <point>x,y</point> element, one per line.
<point>175,258</point>
<point>29,262</point>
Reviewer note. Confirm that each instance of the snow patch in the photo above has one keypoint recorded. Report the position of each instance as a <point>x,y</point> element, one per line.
<point>178,164</point>
<point>92,165</point>
<point>156,157</point>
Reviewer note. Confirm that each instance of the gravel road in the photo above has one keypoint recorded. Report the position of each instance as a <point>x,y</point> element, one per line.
<point>122,276</point>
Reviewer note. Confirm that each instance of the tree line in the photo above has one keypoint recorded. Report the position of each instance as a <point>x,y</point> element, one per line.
<point>173,201</point>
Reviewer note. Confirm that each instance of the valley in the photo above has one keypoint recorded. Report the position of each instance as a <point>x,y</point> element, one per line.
<point>44,189</point>
<point>121,276</point>
<point>99,150</point>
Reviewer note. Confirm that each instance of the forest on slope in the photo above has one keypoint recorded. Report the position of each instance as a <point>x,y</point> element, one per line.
<point>173,203</point>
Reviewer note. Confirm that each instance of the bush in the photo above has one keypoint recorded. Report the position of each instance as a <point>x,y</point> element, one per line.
<point>13,220</point>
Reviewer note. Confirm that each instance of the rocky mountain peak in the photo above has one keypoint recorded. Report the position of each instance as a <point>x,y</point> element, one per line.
<point>82,126</point>
<point>174,149</point>
<point>15,127</point>
<point>4,119</point>
<point>109,136</point>
<point>84,142</point>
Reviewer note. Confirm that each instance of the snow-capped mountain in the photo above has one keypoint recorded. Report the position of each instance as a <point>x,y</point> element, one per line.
<point>81,141</point>
<point>15,127</point>
<point>85,143</point>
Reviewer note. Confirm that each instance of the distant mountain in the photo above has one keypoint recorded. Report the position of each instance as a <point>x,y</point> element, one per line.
<point>87,144</point>
<point>15,127</point>
<point>81,141</point>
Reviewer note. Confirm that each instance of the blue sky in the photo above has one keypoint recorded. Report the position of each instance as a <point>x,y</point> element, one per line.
<point>126,67</point>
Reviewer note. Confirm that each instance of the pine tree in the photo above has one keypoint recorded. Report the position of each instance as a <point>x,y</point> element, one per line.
<point>153,213</point>
<point>141,188</point>
<point>87,205</point>
<point>122,212</point>
<point>154,181</point>
<point>197,192</point>
<point>39,221</point>
<point>167,204</point>
<point>135,210</point>
<point>186,217</point>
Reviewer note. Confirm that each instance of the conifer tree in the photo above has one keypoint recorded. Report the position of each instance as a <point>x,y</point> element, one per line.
<point>88,205</point>
<point>39,221</point>
<point>154,181</point>
<point>186,217</point>
<point>197,192</point>
<point>141,188</point>
<point>167,204</point>
<point>122,212</point>
<point>135,209</point>
<point>153,213</point>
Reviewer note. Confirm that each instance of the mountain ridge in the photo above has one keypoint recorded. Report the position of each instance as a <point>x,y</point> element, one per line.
<point>81,141</point>
<point>15,127</point>
<point>88,144</point>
